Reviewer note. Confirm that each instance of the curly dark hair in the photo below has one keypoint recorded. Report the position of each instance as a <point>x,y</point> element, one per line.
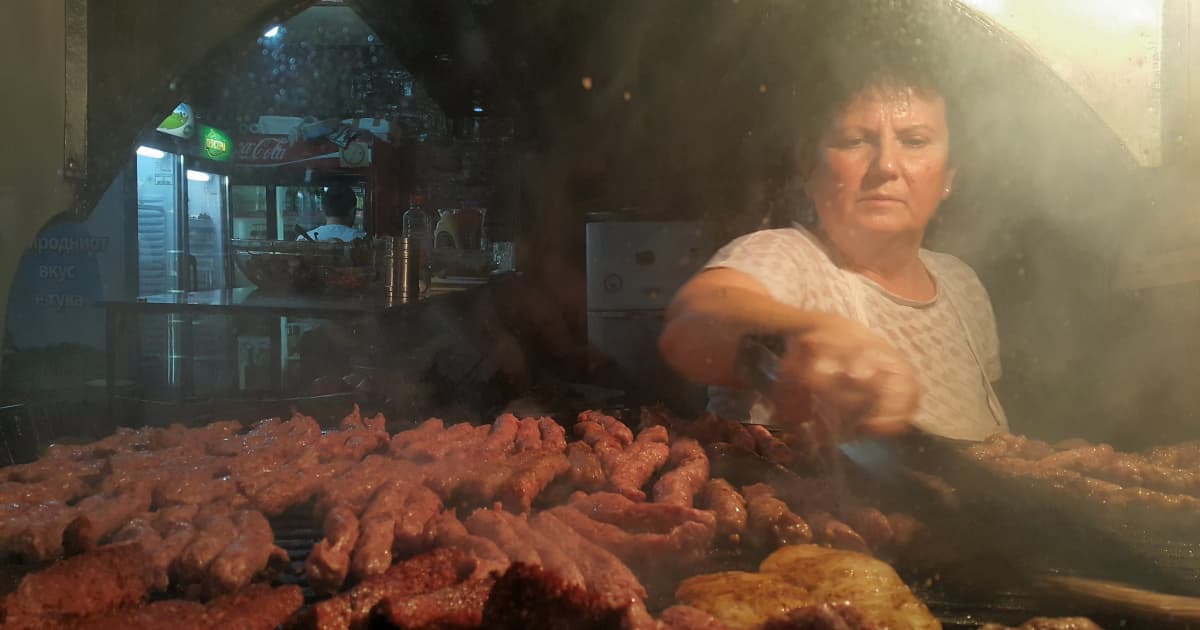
<point>886,70</point>
<point>886,54</point>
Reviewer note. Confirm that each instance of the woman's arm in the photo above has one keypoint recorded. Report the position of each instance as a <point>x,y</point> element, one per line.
<point>710,315</point>
<point>859,379</point>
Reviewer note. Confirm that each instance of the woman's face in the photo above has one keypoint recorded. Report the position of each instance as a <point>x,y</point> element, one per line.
<point>883,165</point>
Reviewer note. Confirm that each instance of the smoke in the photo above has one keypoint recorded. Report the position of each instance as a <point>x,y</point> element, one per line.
<point>695,110</point>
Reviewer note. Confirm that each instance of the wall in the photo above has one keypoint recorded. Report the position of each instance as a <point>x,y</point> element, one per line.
<point>32,188</point>
<point>56,328</point>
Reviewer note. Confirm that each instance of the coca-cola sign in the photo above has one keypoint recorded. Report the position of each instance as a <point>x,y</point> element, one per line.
<point>282,151</point>
<point>264,149</point>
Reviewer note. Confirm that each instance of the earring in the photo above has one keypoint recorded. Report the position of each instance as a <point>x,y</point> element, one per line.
<point>947,189</point>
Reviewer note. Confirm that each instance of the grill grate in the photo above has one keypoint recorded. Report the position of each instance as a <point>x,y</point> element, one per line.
<point>296,533</point>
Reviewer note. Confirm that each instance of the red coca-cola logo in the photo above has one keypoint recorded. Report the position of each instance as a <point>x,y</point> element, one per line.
<point>269,149</point>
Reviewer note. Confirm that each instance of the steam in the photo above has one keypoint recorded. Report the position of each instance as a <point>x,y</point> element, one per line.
<point>692,109</point>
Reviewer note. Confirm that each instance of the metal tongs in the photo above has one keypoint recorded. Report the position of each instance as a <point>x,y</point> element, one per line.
<point>885,460</point>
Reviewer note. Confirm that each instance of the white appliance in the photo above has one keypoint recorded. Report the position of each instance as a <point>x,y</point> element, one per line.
<point>634,269</point>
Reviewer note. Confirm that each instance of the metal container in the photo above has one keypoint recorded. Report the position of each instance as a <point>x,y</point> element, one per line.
<point>408,269</point>
<point>401,270</point>
<point>383,259</point>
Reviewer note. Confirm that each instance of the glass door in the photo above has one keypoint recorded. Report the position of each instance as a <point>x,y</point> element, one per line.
<point>161,244</point>
<point>163,267</point>
<point>213,351</point>
<point>207,224</point>
<point>248,212</point>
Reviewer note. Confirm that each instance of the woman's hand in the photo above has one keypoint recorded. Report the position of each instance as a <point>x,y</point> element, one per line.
<point>833,366</point>
<point>846,378</point>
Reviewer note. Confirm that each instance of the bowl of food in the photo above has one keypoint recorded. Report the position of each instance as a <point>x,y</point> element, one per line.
<point>302,266</point>
<point>344,279</point>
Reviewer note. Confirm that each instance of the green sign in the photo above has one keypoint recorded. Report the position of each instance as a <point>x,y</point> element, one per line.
<point>179,123</point>
<point>215,143</point>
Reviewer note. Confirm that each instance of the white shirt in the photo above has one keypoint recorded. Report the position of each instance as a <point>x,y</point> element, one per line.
<point>331,232</point>
<point>950,340</point>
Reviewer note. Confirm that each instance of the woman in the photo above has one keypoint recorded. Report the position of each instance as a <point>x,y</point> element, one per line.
<point>875,331</point>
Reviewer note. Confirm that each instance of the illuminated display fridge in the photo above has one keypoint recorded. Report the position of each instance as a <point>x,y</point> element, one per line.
<point>183,233</point>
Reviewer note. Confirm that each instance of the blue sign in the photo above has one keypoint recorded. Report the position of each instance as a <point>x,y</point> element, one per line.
<point>64,272</point>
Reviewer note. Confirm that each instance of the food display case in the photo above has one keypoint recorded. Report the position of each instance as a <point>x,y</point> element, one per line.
<point>524,449</point>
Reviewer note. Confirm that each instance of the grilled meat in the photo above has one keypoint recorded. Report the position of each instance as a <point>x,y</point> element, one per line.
<point>832,616</point>
<point>681,617</point>
<point>870,585</point>
<point>529,435</point>
<point>457,606</point>
<point>689,473</point>
<point>555,557</point>
<point>257,607</point>
<point>586,472</point>
<point>213,533</point>
<point>740,599</point>
<point>637,464</point>
<point>99,515</point>
<point>729,506</point>
<point>247,554</point>
<point>329,563</point>
<point>828,530</point>
<point>499,529</point>
<point>34,532</point>
<point>451,533</point>
<point>502,438</point>
<point>531,597</point>
<point>770,523</point>
<point>412,525</point>
<point>91,583</point>
<point>529,478</point>
<point>436,570</point>
<point>554,437</point>
<point>603,573</point>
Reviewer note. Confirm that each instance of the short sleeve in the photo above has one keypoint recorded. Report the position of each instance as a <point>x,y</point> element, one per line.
<point>772,257</point>
<point>990,342</point>
<point>972,301</point>
<point>983,324</point>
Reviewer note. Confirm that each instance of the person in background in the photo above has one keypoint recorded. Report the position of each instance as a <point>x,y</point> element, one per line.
<point>339,204</point>
<point>875,332</point>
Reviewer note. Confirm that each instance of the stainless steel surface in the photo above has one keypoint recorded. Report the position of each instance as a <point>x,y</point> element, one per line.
<point>225,256</point>
<point>633,270</point>
<point>386,263</point>
<point>635,265</point>
<point>179,325</point>
<point>249,299</point>
<point>401,261</point>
